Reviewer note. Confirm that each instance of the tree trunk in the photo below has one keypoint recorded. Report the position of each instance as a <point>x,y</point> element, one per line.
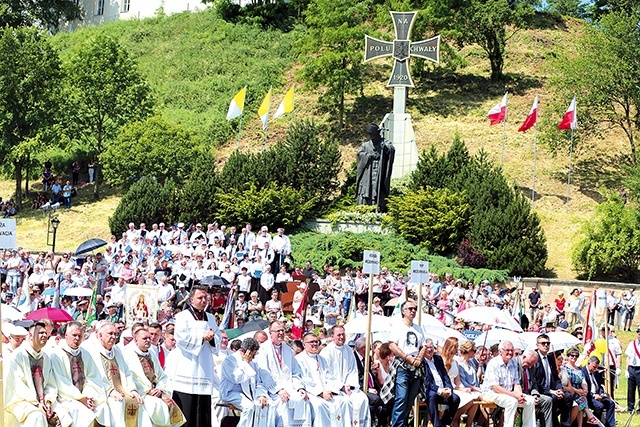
<point>26,178</point>
<point>96,194</point>
<point>18,200</point>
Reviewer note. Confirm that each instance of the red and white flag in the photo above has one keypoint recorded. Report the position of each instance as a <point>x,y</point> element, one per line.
<point>532,118</point>
<point>590,322</point>
<point>570,119</point>
<point>299,317</point>
<point>498,113</point>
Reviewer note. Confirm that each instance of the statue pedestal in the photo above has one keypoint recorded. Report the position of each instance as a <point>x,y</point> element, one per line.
<point>398,129</point>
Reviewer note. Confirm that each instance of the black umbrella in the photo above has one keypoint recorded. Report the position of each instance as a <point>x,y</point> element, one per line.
<point>254,325</point>
<point>90,245</point>
<point>214,281</point>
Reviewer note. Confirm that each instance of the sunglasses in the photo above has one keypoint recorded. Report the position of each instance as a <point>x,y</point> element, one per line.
<point>544,342</point>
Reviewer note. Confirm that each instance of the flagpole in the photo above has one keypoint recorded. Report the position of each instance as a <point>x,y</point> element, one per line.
<point>504,136</point>
<point>569,172</point>
<point>367,355</point>
<point>239,130</point>
<point>416,406</point>
<point>533,187</point>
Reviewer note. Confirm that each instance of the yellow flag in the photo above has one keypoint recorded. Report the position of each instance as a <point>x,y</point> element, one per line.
<point>286,106</point>
<point>263,111</point>
<point>237,104</point>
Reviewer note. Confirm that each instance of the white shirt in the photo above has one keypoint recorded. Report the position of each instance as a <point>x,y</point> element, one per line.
<point>633,356</point>
<point>408,339</point>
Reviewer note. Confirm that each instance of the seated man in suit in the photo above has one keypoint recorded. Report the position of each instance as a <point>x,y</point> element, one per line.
<point>544,404</point>
<point>548,381</point>
<point>438,388</point>
<point>376,405</point>
<point>597,399</point>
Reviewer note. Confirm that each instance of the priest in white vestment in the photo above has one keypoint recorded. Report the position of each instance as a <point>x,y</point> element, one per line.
<point>330,407</point>
<point>152,382</point>
<point>292,403</point>
<point>342,363</point>
<point>123,398</point>
<point>191,369</point>
<point>30,389</point>
<point>80,389</point>
<point>244,385</point>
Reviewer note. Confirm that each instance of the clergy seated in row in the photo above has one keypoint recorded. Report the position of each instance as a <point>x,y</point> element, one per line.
<point>291,401</point>
<point>342,362</point>
<point>333,408</point>
<point>152,382</point>
<point>78,378</point>
<point>30,389</point>
<point>123,397</point>
<point>245,386</point>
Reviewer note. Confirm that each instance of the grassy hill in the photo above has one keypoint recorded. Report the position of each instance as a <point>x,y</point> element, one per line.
<point>196,62</point>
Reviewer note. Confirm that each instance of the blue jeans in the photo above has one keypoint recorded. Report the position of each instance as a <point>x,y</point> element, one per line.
<point>407,388</point>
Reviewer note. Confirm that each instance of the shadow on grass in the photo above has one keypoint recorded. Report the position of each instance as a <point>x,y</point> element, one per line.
<point>590,175</point>
<point>547,21</point>
<point>459,94</point>
<point>84,197</point>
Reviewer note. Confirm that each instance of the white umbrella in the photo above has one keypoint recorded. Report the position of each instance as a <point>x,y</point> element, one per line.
<point>490,316</point>
<point>559,340</point>
<point>78,292</point>
<point>496,336</point>
<point>439,334</point>
<point>11,313</point>
<point>359,324</point>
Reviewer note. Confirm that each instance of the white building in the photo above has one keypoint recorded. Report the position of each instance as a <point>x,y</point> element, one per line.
<point>100,11</point>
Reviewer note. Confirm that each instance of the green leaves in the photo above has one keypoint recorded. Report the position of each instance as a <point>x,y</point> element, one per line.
<point>610,242</point>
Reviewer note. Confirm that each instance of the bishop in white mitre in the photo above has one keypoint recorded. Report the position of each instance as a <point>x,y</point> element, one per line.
<point>342,363</point>
<point>330,407</point>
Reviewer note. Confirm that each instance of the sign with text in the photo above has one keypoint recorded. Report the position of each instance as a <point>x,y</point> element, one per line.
<point>371,262</point>
<point>601,298</point>
<point>419,272</point>
<point>8,234</point>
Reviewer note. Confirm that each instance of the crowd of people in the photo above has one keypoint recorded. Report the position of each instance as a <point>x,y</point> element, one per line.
<point>182,367</point>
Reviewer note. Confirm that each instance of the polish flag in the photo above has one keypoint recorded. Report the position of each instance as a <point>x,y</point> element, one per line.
<point>570,119</point>
<point>532,118</point>
<point>498,114</point>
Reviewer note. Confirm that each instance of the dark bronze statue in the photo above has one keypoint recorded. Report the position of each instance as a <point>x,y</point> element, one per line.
<point>375,164</point>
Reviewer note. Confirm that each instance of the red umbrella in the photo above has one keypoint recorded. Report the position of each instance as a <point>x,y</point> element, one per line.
<point>55,314</point>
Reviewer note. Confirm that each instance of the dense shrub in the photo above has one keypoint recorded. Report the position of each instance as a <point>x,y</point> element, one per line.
<point>435,218</point>
<point>274,206</point>
<point>610,242</point>
<point>502,226</point>
<point>346,250</point>
<point>199,195</point>
<point>146,201</point>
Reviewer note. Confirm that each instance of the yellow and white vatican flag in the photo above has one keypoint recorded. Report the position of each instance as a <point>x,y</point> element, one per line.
<point>237,104</point>
<point>263,111</point>
<point>286,106</point>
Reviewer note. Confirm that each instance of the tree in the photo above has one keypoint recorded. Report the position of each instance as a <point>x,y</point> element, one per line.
<point>610,242</point>
<point>48,14</point>
<point>30,78</point>
<point>573,8</point>
<point>198,198</point>
<point>434,218</point>
<point>332,50</point>
<point>603,73</point>
<point>502,226</point>
<point>488,23</point>
<point>140,149</point>
<point>106,92</point>
<point>146,201</point>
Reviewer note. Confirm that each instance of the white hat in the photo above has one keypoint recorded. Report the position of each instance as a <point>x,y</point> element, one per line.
<point>181,225</point>
<point>10,329</point>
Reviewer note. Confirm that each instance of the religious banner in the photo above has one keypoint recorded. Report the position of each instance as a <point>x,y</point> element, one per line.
<point>141,304</point>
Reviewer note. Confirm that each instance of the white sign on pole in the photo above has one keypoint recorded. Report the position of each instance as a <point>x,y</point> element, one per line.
<point>419,272</point>
<point>601,298</point>
<point>8,234</point>
<point>371,262</point>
